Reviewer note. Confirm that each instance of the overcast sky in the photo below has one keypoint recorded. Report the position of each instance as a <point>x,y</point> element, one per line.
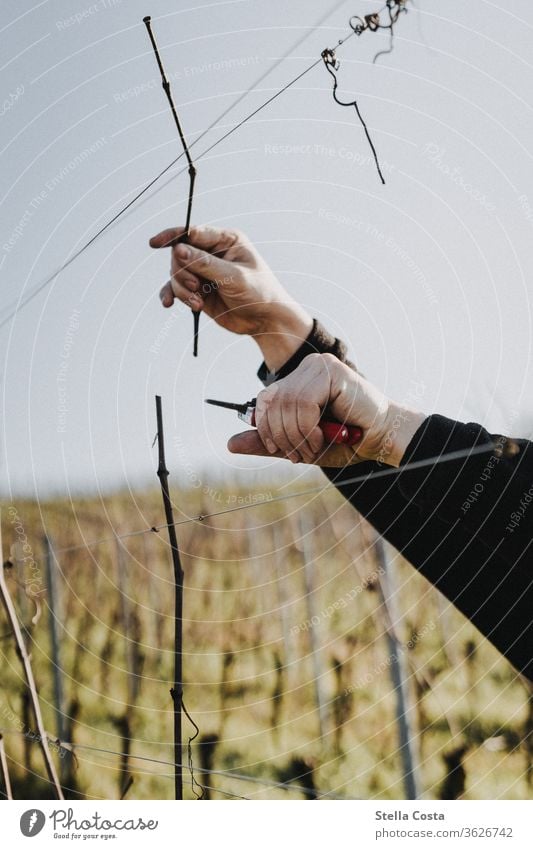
<point>428,277</point>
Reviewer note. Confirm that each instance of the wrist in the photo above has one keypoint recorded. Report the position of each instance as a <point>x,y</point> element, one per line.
<point>284,329</point>
<point>401,425</point>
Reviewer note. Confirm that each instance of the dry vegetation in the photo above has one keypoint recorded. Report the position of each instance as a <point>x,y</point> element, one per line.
<point>250,680</point>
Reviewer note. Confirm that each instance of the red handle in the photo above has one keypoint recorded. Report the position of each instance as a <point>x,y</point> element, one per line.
<point>341,434</point>
<point>335,433</point>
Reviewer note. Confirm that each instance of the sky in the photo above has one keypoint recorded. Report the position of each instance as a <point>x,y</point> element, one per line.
<point>428,278</point>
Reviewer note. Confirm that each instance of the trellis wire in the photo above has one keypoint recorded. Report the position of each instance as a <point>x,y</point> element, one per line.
<point>17,306</point>
<point>281,498</point>
<point>485,448</point>
<point>201,517</point>
<point>238,776</point>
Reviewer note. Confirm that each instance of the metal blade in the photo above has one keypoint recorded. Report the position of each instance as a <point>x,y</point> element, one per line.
<point>240,408</point>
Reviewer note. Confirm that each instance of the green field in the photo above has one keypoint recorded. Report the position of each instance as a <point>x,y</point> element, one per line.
<point>265,639</point>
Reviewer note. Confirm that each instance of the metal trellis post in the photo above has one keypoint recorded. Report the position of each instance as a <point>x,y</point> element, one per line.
<point>399,676</point>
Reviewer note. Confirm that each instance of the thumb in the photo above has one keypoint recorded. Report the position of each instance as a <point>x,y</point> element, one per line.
<point>167,238</point>
<point>249,442</point>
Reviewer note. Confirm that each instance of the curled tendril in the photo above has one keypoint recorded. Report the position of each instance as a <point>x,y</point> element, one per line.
<point>359,25</point>
<point>395,9</point>
<point>332,64</point>
<point>373,22</point>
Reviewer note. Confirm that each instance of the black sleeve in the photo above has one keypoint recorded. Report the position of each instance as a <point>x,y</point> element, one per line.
<point>479,555</point>
<point>488,492</point>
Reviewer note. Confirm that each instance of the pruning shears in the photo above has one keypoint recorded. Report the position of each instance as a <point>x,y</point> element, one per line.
<point>335,433</point>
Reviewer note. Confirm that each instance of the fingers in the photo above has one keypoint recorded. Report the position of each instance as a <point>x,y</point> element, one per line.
<point>204,264</point>
<point>289,425</point>
<point>202,254</point>
<point>216,239</point>
<point>184,286</point>
<point>167,238</point>
<point>205,238</point>
<point>270,426</point>
<point>174,290</point>
<point>249,442</point>
<point>308,413</point>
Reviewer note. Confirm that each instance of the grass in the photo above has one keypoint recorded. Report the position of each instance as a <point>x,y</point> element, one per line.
<point>250,675</point>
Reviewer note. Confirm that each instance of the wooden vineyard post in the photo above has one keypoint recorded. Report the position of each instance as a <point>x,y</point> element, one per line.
<point>28,674</point>
<point>177,690</point>
<point>399,675</point>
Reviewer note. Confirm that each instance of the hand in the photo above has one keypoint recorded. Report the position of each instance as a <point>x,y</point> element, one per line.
<point>220,273</point>
<point>288,413</point>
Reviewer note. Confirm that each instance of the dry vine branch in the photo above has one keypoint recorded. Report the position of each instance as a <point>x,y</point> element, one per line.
<point>28,674</point>
<point>5,771</point>
<point>11,310</point>
<point>177,690</point>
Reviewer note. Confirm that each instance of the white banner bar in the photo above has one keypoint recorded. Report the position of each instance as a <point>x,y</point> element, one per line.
<point>264,825</point>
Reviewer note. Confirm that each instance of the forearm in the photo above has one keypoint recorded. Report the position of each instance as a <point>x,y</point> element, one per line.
<point>419,512</point>
<point>402,421</point>
<point>316,340</point>
<point>482,491</point>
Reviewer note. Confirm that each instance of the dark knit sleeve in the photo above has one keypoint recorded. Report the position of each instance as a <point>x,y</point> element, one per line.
<point>319,341</point>
<point>488,490</point>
